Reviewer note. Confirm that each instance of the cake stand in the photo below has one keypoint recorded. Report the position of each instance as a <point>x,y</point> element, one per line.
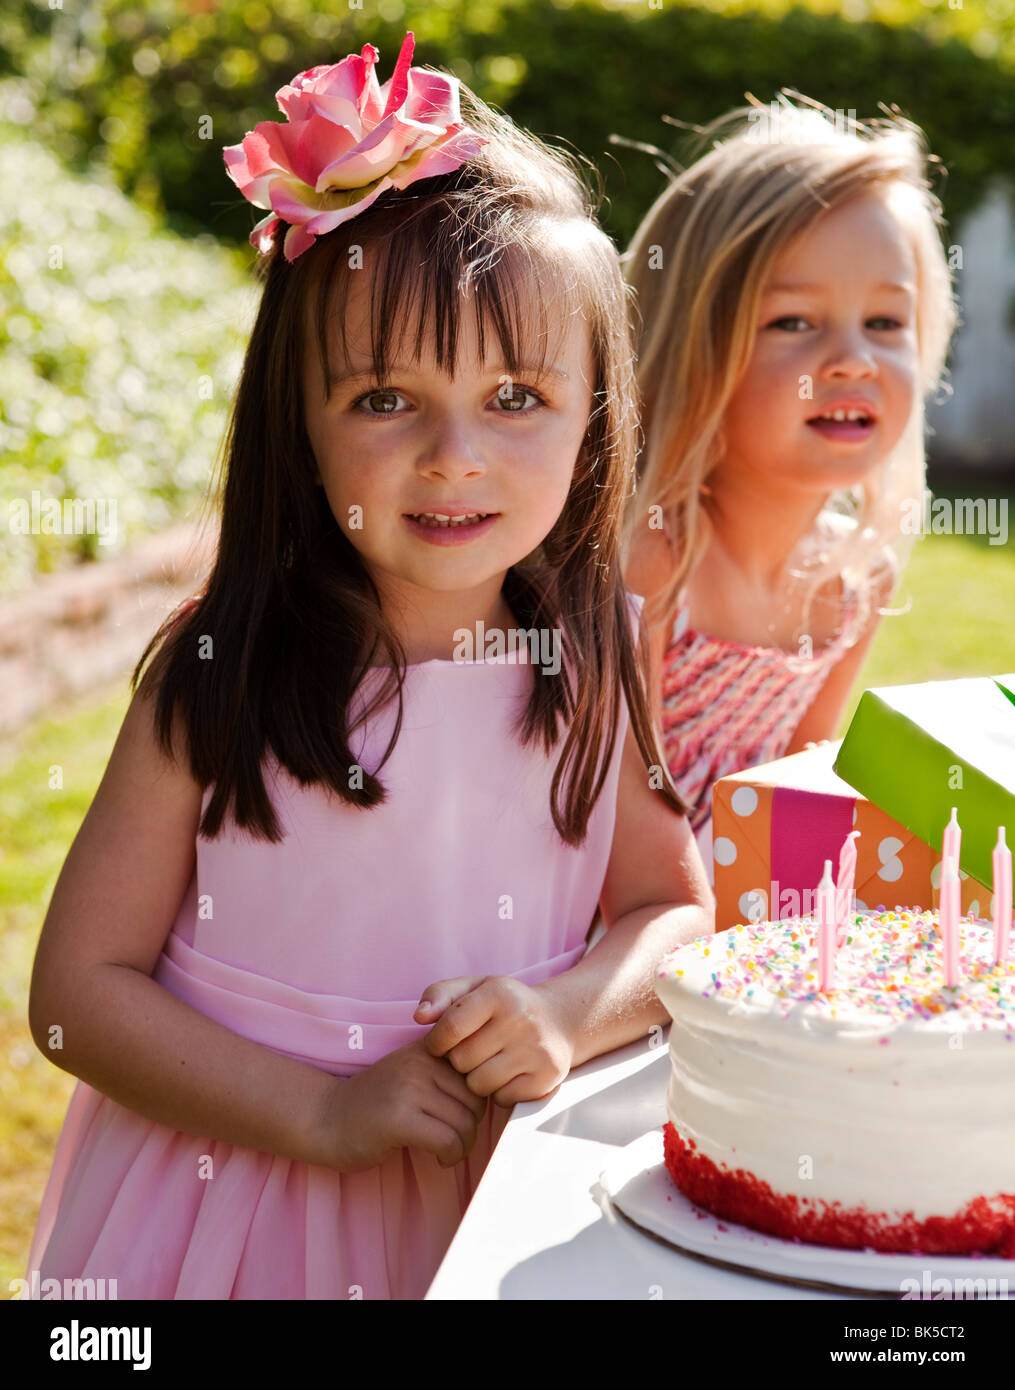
<point>640,1187</point>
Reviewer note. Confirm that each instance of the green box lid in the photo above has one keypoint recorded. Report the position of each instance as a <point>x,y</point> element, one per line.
<point>918,750</point>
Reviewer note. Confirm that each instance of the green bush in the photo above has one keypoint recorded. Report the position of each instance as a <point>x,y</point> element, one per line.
<point>140,85</point>
<point>692,64</point>
<point>119,348</point>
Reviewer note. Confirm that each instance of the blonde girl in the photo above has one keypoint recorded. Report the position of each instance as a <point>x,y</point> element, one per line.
<point>793,312</point>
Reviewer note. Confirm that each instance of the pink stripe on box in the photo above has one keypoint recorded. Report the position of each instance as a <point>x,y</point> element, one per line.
<point>806,830</point>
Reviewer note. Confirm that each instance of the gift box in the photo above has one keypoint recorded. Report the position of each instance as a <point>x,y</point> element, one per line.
<point>774,826</point>
<point>918,750</point>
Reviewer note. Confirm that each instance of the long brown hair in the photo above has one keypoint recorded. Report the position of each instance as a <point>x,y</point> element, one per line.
<point>293,614</point>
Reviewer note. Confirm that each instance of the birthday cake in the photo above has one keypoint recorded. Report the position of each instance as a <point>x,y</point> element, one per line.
<point>879,1114</point>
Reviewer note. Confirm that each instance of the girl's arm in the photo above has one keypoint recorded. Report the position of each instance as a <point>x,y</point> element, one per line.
<point>655,897</point>
<point>114,903</point>
<point>824,716</point>
<point>649,568</point>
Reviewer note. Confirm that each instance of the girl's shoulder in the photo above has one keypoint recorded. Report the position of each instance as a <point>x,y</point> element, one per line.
<point>651,562</point>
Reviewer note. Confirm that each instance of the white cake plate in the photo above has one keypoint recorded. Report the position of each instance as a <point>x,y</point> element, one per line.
<point>639,1186</point>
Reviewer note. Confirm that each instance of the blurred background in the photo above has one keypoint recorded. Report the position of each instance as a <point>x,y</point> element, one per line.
<point>125,295</point>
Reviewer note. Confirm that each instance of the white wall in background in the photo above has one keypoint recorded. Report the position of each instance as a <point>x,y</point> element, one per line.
<point>977,424</point>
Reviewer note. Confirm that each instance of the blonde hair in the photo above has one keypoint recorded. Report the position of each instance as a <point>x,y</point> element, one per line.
<point>716,231</point>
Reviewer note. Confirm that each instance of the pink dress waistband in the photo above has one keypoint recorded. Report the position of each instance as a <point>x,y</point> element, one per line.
<point>337,1034</point>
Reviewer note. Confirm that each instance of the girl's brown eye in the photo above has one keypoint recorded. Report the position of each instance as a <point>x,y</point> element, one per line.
<point>371,397</point>
<point>788,319</point>
<point>512,399</point>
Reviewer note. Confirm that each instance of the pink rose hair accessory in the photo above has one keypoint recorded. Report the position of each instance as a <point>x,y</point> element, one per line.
<point>347,140</point>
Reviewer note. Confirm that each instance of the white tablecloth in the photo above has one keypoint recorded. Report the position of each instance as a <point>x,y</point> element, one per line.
<point>537,1226</point>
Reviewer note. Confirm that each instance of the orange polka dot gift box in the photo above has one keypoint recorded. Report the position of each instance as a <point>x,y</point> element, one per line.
<point>774,826</point>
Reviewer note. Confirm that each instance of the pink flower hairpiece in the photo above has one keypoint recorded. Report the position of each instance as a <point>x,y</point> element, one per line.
<point>347,140</point>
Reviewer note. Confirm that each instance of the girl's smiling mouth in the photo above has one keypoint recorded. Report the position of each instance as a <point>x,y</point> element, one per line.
<point>846,421</point>
<point>450,528</point>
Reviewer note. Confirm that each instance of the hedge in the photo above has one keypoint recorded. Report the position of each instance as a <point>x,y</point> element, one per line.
<point>120,344</point>
<point>140,87</point>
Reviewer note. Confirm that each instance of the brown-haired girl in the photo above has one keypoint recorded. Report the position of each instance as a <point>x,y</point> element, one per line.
<point>332,896</point>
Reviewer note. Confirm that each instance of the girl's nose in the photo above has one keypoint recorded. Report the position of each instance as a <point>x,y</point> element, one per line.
<point>451,451</point>
<point>850,355</point>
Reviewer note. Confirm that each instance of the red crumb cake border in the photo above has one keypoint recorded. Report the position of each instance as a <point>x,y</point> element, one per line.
<point>985,1226</point>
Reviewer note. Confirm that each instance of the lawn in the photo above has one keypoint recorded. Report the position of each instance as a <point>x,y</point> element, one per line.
<point>961,622</point>
<point>961,619</point>
<point>38,821</point>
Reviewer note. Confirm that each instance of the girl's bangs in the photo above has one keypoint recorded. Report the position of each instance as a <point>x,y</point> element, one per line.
<point>422,274</point>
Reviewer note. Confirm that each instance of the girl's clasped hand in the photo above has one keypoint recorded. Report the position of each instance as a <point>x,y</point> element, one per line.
<point>504,1036</point>
<point>494,1038</point>
<point>406,1099</point>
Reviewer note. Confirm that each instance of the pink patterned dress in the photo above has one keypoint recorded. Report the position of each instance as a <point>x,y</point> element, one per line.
<point>729,705</point>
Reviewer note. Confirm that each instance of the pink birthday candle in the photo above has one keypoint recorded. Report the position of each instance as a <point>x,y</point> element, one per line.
<point>826,930</point>
<point>948,917</point>
<point>845,886</point>
<point>1001,863</point>
<point>952,840</point>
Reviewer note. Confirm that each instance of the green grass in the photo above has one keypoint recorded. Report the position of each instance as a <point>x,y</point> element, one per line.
<point>38,821</point>
<point>961,622</point>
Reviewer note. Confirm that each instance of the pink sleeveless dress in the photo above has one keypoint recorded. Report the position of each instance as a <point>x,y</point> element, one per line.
<point>729,705</point>
<point>319,948</point>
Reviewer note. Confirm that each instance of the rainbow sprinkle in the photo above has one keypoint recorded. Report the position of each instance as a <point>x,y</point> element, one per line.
<point>890,970</point>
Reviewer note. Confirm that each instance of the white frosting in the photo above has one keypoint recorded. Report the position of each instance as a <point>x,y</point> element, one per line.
<point>896,1099</point>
